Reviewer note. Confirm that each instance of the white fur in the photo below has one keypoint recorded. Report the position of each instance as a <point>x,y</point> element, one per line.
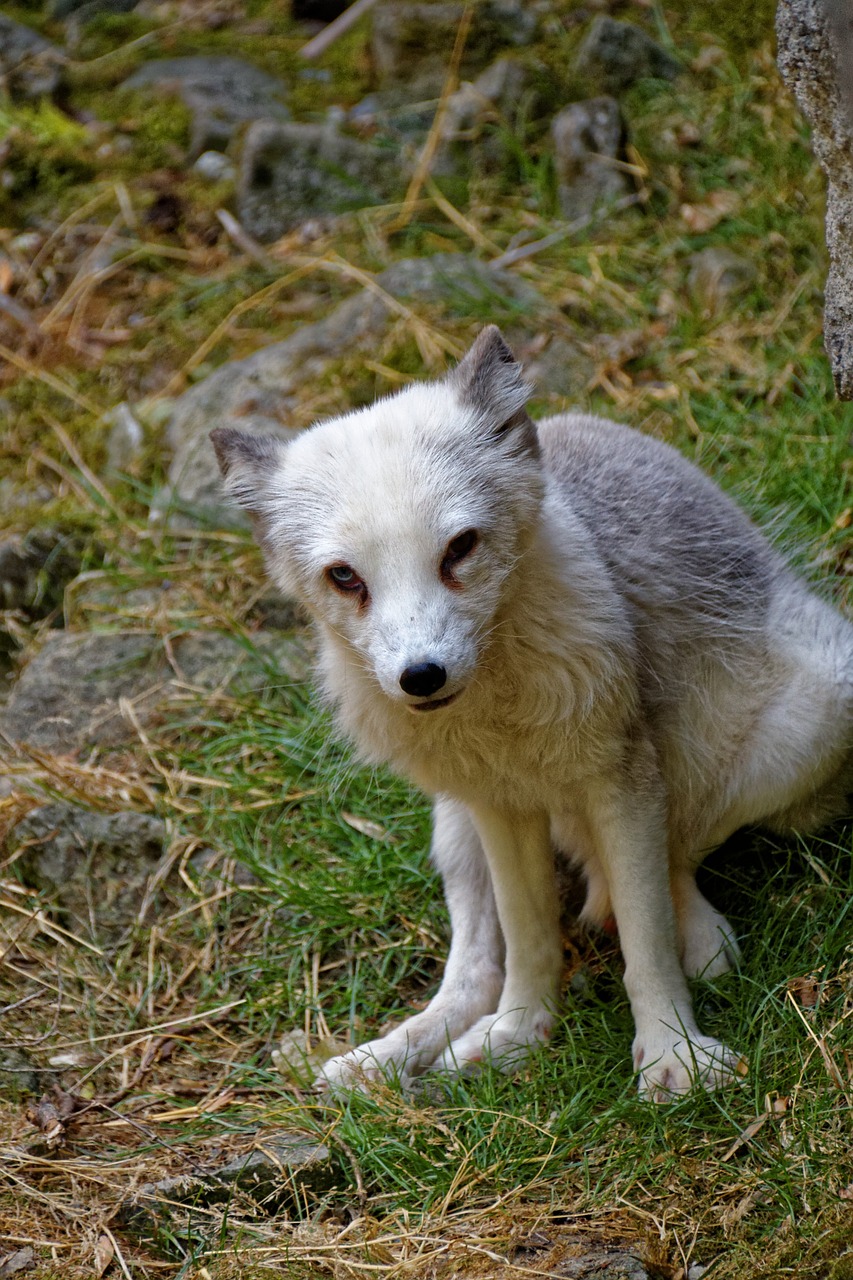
<point>633,673</point>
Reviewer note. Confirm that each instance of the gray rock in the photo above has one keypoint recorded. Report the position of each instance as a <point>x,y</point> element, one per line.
<point>222,93</point>
<point>603,1263</point>
<point>579,1258</point>
<point>815,54</point>
<point>97,867</point>
<point>717,273</point>
<point>411,42</point>
<point>257,394</point>
<point>17,1262</point>
<point>69,695</point>
<point>292,172</point>
<point>614,55</point>
<point>30,66</point>
<point>280,1170</point>
<point>589,142</point>
<point>560,371</point>
<point>213,166</point>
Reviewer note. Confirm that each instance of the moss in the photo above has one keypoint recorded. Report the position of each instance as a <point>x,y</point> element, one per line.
<point>740,27</point>
<point>107,32</point>
<point>46,154</point>
<point>159,129</point>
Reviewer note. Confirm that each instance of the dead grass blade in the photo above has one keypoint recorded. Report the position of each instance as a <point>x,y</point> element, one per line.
<point>471,230</point>
<point>55,384</point>
<point>178,380</point>
<point>37,917</point>
<point>429,150</point>
<point>832,1068</point>
<point>432,343</point>
<point>327,37</point>
<point>529,250</point>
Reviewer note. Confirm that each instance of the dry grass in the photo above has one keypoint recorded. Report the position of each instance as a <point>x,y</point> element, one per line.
<point>279,901</point>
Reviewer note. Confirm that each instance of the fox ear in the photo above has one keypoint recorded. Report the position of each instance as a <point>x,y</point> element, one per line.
<point>247,462</point>
<point>490,380</point>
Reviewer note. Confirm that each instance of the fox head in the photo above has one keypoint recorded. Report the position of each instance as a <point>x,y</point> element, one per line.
<point>398,525</point>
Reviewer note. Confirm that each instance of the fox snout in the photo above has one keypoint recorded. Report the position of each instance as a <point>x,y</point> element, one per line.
<point>422,679</point>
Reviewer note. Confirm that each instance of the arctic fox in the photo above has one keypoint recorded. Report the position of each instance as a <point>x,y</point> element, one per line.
<point>570,638</point>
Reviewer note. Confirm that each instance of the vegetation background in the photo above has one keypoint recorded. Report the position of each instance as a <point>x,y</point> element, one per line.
<point>293,894</point>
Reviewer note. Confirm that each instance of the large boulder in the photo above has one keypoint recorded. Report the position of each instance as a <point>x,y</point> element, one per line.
<point>221,92</point>
<point>96,867</point>
<point>589,143</point>
<point>92,689</point>
<point>292,172</point>
<point>815,43</point>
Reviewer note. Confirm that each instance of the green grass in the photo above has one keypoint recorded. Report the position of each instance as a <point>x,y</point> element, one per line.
<point>316,926</point>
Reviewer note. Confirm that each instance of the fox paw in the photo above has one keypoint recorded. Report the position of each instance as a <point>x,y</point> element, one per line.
<point>503,1040</point>
<point>669,1068</point>
<point>377,1061</point>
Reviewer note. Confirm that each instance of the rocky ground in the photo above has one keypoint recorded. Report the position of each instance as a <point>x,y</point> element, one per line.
<point>202,224</point>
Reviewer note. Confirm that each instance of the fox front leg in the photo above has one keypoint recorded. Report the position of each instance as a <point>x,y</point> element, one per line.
<point>474,974</point>
<point>521,861</point>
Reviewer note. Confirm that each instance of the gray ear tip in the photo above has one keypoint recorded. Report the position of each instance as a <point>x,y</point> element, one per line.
<point>491,340</point>
<point>224,440</point>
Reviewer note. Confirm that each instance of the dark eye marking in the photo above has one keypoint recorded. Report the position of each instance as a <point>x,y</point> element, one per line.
<point>458,549</point>
<point>345,578</point>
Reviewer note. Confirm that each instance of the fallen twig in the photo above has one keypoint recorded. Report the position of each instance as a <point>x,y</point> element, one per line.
<point>336,29</point>
<point>571,228</point>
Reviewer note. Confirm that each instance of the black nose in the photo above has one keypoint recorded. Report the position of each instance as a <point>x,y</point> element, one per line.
<point>423,678</point>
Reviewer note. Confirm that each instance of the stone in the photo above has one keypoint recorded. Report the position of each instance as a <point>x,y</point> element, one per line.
<point>615,55</point>
<point>213,166</point>
<point>716,274</point>
<point>17,1262</point>
<point>30,66</point>
<point>292,172</point>
<point>257,394</point>
<point>604,1263</point>
<point>554,1252</point>
<point>96,867</point>
<point>279,1171</point>
<point>815,55</point>
<point>589,142</point>
<point>68,697</point>
<point>222,93</point>
<point>558,371</point>
<point>411,42</point>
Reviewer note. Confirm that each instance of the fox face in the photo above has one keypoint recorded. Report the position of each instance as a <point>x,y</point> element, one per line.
<point>398,525</point>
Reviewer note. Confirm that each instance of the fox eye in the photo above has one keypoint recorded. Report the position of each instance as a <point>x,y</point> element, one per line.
<point>344,578</point>
<point>457,549</point>
<point>460,547</point>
